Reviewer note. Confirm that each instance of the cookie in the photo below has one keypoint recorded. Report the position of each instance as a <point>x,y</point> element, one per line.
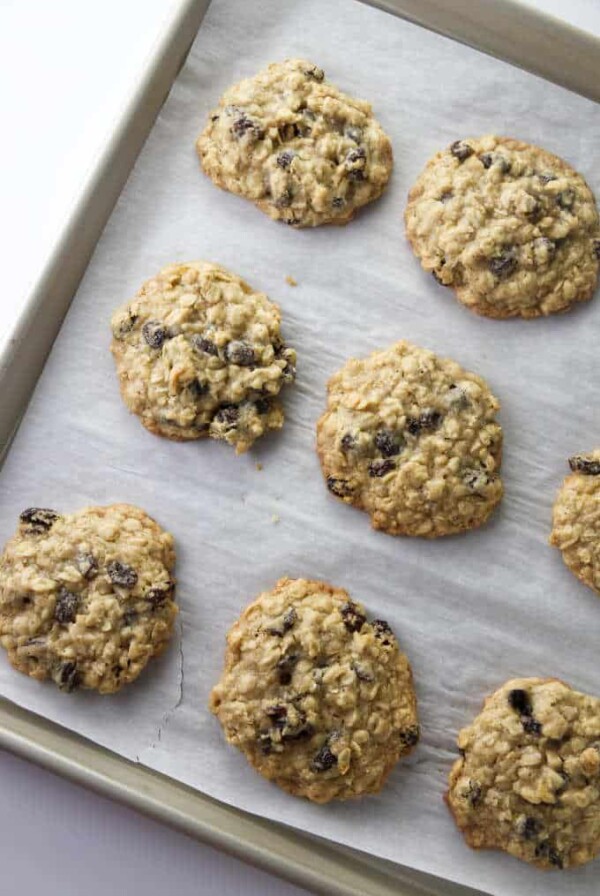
<point>513,229</point>
<point>576,519</point>
<point>302,151</point>
<point>528,780</point>
<point>412,439</point>
<point>87,598</point>
<point>199,354</point>
<point>319,700</point>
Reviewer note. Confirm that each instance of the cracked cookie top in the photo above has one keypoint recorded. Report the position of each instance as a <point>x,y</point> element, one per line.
<point>86,598</point>
<point>513,229</point>
<point>412,439</point>
<point>199,353</point>
<point>528,781</point>
<point>576,519</point>
<point>319,699</point>
<point>302,151</point>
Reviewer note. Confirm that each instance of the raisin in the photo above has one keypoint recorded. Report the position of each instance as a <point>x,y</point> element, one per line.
<point>341,488</point>
<point>285,159</point>
<point>348,442</point>
<point>546,178</point>
<point>87,565</point>
<point>284,200</point>
<point>531,725</point>
<point>290,130</point>
<point>504,264</point>
<point>243,125</point>
<point>488,159</point>
<point>382,631</point>
<point>358,155</point>
<point>265,743</point>
<point>316,73</point>
<point>461,150</point>
<point>388,442</point>
<point>262,405</point>
<point>353,618</point>
<point>566,198</point>
<point>67,677</point>
<point>353,133</point>
<point>302,730</point>
<point>356,174</point>
<point>324,760</point>
<point>157,596</point>
<point>544,851</point>
<point>286,666</point>
<point>278,713</point>
<point>596,248</point>
<point>39,519</point>
<point>519,700</point>
<point>121,574</point>
<point>535,211</point>
<point>338,201</point>
<point>446,196</point>
<point>528,827</point>
<point>474,794</point>
<point>427,420</point>
<point>409,737</point>
<point>290,617</point>
<point>379,468</point>
<point>129,618</point>
<point>65,608</point>
<point>290,721</point>
<point>584,465</point>
<point>154,333</point>
<point>203,344</point>
<point>227,415</point>
<point>355,163</point>
<point>240,353</point>
<point>197,389</point>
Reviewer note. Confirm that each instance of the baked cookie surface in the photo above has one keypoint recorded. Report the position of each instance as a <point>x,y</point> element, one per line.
<point>302,151</point>
<point>528,781</point>
<point>411,438</point>
<point>319,700</point>
<point>86,598</point>
<point>199,354</point>
<point>513,229</point>
<point>576,519</point>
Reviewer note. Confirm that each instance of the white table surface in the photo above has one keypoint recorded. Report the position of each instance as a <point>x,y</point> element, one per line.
<point>65,67</point>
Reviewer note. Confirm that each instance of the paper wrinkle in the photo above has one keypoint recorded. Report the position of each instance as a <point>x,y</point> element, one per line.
<point>470,611</point>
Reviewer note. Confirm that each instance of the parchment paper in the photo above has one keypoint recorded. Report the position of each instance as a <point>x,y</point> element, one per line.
<point>470,611</point>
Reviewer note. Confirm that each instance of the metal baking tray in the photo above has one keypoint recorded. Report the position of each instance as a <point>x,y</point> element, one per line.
<point>502,28</point>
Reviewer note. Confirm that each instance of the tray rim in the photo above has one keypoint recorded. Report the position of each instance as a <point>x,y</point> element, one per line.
<point>509,28</point>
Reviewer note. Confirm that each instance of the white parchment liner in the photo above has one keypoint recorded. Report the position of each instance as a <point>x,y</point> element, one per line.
<point>470,611</point>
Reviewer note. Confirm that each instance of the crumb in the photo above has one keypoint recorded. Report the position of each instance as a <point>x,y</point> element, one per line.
<point>290,281</point>
<point>259,467</point>
<point>275,518</point>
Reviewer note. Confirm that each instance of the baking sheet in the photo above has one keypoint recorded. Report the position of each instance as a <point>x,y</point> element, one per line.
<point>470,611</point>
